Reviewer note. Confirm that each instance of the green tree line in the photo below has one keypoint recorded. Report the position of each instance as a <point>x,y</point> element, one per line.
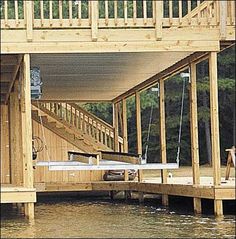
<point>173,95</point>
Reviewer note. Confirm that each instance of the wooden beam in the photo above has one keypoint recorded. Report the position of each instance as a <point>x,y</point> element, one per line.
<point>13,78</point>
<point>215,141</point>
<point>121,157</point>
<point>163,137</point>
<point>194,133</point>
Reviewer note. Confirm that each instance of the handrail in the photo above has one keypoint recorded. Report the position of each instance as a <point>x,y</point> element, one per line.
<point>95,15</point>
<point>80,119</point>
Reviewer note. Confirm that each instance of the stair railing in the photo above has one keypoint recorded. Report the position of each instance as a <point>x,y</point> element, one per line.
<point>84,121</point>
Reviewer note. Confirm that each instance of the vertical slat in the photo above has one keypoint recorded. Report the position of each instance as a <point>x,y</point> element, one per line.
<point>125,12</point>
<point>60,12</point>
<point>79,12</point>
<point>71,114</point>
<point>50,13</point>
<point>135,12</point>
<point>16,13</point>
<point>106,12</point>
<point>180,11</point>
<point>208,12</point>
<point>70,12</point>
<point>106,137</point>
<point>144,12</point>
<point>153,12</point>
<point>101,134</point>
<point>97,132</point>
<point>232,12</point>
<point>76,119</point>
<point>115,12</point>
<point>6,12</point>
<point>42,12</point>
<point>94,19</point>
<point>159,16</point>
<point>110,142</point>
<point>171,12</point>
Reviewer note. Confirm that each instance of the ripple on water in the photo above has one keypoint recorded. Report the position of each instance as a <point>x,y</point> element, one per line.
<point>106,219</point>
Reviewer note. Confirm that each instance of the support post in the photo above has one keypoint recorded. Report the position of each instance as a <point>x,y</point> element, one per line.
<point>29,20</point>
<point>27,133</point>
<point>194,134</point>
<point>125,134</point>
<point>15,137</point>
<point>215,141</point>
<point>223,19</point>
<point>159,17</point>
<point>139,130</point>
<point>94,20</point>
<point>163,138</point>
<point>116,127</point>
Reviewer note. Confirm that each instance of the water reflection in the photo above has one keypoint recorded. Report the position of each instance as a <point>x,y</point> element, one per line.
<point>106,219</point>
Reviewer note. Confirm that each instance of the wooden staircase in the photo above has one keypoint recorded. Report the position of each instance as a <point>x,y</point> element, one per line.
<point>72,123</point>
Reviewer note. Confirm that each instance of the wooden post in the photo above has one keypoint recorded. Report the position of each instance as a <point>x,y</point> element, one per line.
<point>15,137</point>
<point>163,137</point>
<point>158,20</point>
<point>27,133</point>
<point>29,20</point>
<point>223,19</point>
<point>116,127</point>
<point>194,134</point>
<point>125,133</point>
<point>215,141</point>
<point>139,130</point>
<point>94,20</point>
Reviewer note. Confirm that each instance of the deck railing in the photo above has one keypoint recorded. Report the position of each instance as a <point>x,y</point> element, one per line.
<point>82,120</point>
<point>94,15</point>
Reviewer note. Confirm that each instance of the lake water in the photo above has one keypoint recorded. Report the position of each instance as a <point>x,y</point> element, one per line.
<point>72,217</point>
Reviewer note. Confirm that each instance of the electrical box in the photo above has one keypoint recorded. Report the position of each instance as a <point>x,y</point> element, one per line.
<point>35,83</point>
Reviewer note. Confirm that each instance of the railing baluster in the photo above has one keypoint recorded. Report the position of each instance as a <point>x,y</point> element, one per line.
<point>135,12</point>
<point>70,12</point>
<point>125,12</point>
<point>159,16</point>
<point>180,12</point>
<point>171,11</point>
<point>97,132</point>
<point>42,13</point>
<point>110,142</point>
<point>6,13</point>
<point>94,19</point>
<point>106,12</point>
<point>115,12</point>
<point>199,13</point>
<point>232,12</point>
<point>60,12</point>
<point>145,12</point>
<point>208,12</point>
<point>105,136</point>
<point>50,13</point>
<point>101,134</point>
<point>71,114</point>
<point>16,13</point>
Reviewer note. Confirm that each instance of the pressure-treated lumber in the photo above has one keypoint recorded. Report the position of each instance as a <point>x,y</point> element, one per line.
<point>194,133</point>
<point>116,127</point>
<point>139,130</point>
<point>15,137</point>
<point>26,130</point>
<point>163,136</point>
<point>215,137</point>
